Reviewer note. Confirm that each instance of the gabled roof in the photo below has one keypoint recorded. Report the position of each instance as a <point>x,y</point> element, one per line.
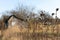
<point>15,17</point>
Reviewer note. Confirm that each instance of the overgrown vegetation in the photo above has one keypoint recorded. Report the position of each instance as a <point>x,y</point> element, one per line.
<point>36,23</point>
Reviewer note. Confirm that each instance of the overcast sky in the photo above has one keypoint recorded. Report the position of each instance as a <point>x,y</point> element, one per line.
<point>47,5</point>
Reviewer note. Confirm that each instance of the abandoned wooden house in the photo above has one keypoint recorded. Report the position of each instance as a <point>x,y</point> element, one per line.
<point>13,20</point>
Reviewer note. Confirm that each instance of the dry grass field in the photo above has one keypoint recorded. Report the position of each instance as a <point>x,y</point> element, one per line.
<point>33,32</point>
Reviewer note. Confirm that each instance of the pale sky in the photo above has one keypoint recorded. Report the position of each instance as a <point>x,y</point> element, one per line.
<point>47,5</point>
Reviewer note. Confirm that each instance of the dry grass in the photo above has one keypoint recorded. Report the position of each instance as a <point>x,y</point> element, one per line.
<point>33,32</point>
